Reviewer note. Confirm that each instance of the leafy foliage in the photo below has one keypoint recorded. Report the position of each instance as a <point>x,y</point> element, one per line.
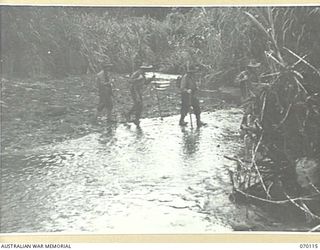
<point>282,119</point>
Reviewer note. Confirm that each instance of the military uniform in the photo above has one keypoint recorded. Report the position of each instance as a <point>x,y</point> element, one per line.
<point>244,84</point>
<point>137,80</point>
<point>105,94</point>
<point>188,99</point>
<point>245,79</point>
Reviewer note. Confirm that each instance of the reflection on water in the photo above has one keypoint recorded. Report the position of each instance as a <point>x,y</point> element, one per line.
<point>191,140</point>
<point>156,179</point>
<point>108,136</point>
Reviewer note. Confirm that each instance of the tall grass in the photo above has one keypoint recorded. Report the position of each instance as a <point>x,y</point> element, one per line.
<point>214,38</point>
<point>284,146</point>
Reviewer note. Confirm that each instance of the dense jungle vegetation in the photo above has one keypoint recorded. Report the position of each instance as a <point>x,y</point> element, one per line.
<point>283,135</point>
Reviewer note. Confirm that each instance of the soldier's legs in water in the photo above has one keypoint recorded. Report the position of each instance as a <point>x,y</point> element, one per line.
<point>109,108</point>
<point>139,105</point>
<point>109,115</point>
<point>131,111</point>
<point>195,105</point>
<point>197,111</point>
<point>134,106</point>
<point>100,108</point>
<point>184,108</point>
<point>138,113</point>
<point>243,90</point>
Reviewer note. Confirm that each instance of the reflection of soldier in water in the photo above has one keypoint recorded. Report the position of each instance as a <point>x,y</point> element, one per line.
<point>107,136</point>
<point>191,141</point>
<point>139,133</point>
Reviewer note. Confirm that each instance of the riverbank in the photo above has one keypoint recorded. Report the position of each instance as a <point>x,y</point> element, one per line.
<point>39,112</point>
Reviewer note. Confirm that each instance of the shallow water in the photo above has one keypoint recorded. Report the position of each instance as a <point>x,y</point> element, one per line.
<point>157,179</point>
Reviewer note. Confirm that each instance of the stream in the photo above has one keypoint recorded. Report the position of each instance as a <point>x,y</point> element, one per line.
<point>159,178</point>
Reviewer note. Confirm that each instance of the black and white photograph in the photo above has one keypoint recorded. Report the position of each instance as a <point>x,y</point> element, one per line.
<point>160,119</point>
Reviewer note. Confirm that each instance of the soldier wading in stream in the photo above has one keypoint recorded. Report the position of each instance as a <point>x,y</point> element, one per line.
<point>189,100</point>
<point>104,85</point>
<point>137,81</point>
